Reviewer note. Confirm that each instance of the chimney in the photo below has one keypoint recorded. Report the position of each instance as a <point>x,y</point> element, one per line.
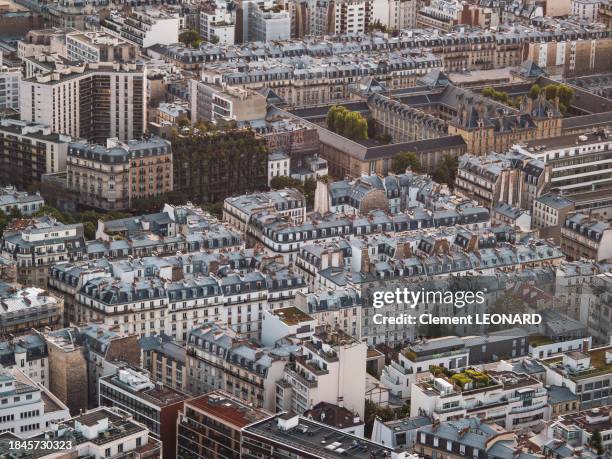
<point>585,345</point>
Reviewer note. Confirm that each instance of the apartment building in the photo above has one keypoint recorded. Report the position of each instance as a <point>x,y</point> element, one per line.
<point>210,425</point>
<point>35,244</point>
<point>219,358</point>
<point>30,308</point>
<point>154,405</point>
<point>9,86</point>
<point>210,102</point>
<point>93,101</point>
<point>291,435</point>
<point>144,26</point>
<point>585,9</point>
<point>112,177</point>
<point>217,21</point>
<point>24,202</point>
<point>512,179</point>
<point>330,367</point>
<point>511,400</point>
<point>27,408</point>
<point>549,214</point>
<point>469,437</point>
<point>583,236</point>
<point>28,354</point>
<point>103,432</point>
<point>585,373</point>
<point>336,308</point>
<point>576,429</point>
<point>350,17</point>
<point>287,203</point>
<point>402,14</point>
<point>268,21</point>
<point>99,47</point>
<point>28,151</point>
<point>579,163</point>
<point>165,360</point>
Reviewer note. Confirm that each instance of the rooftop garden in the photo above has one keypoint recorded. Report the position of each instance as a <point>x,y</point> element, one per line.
<point>539,340</point>
<point>467,379</point>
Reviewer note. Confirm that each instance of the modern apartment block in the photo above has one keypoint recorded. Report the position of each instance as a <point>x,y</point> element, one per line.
<point>330,367</point>
<point>146,26</point>
<point>27,409</point>
<point>28,151</point>
<point>349,17</point>
<point>9,86</point>
<point>217,21</point>
<point>290,435</point>
<point>587,374</point>
<point>103,432</point>
<point>154,405</point>
<point>549,213</point>
<point>99,47</point>
<point>268,21</point>
<point>112,177</point>
<point>210,425</point>
<point>94,101</point>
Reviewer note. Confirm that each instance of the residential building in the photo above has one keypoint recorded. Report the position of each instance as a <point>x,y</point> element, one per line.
<point>35,244</point>
<point>99,47</point>
<point>583,236</point>
<point>278,165</point>
<point>286,322</point>
<point>505,214</point>
<point>330,367</point>
<point>350,17</point>
<point>219,358</point>
<point>577,429</point>
<point>216,20</point>
<point>586,9</point>
<point>144,26</point>
<point>579,164</point>
<point>402,14</point>
<point>113,177</point>
<point>287,203</point>
<point>549,214</point>
<point>282,436</point>
<point>401,433</point>
<point>169,114</point>
<point>28,151</point>
<point>513,401</point>
<point>30,308</point>
<point>469,437</point>
<point>585,373</point>
<point>94,101</point>
<point>27,408</point>
<point>28,354</point>
<point>165,360</point>
<point>268,21</point>
<point>337,417</point>
<point>210,425</point>
<point>155,405</point>
<point>103,432</point>
<point>9,86</point>
<point>25,203</point>
<point>213,103</point>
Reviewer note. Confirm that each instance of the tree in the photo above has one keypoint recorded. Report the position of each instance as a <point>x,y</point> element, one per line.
<point>405,160</point>
<point>183,122</point>
<point>347,123</point>
<point>190,38</point>
<point>596,442</point>
<point>282,181</point>
<point>89,229</point>
<point>535,91</point>
<point>446,170</point>
<point>550,91</point>
<point>214,39</point>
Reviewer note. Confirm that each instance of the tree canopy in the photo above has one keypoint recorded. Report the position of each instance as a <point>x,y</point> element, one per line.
<point>190,38</point>
<point>404,160</point>
<point>347,123</point>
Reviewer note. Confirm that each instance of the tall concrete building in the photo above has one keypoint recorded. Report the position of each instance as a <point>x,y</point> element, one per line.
<point>91,101</point>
